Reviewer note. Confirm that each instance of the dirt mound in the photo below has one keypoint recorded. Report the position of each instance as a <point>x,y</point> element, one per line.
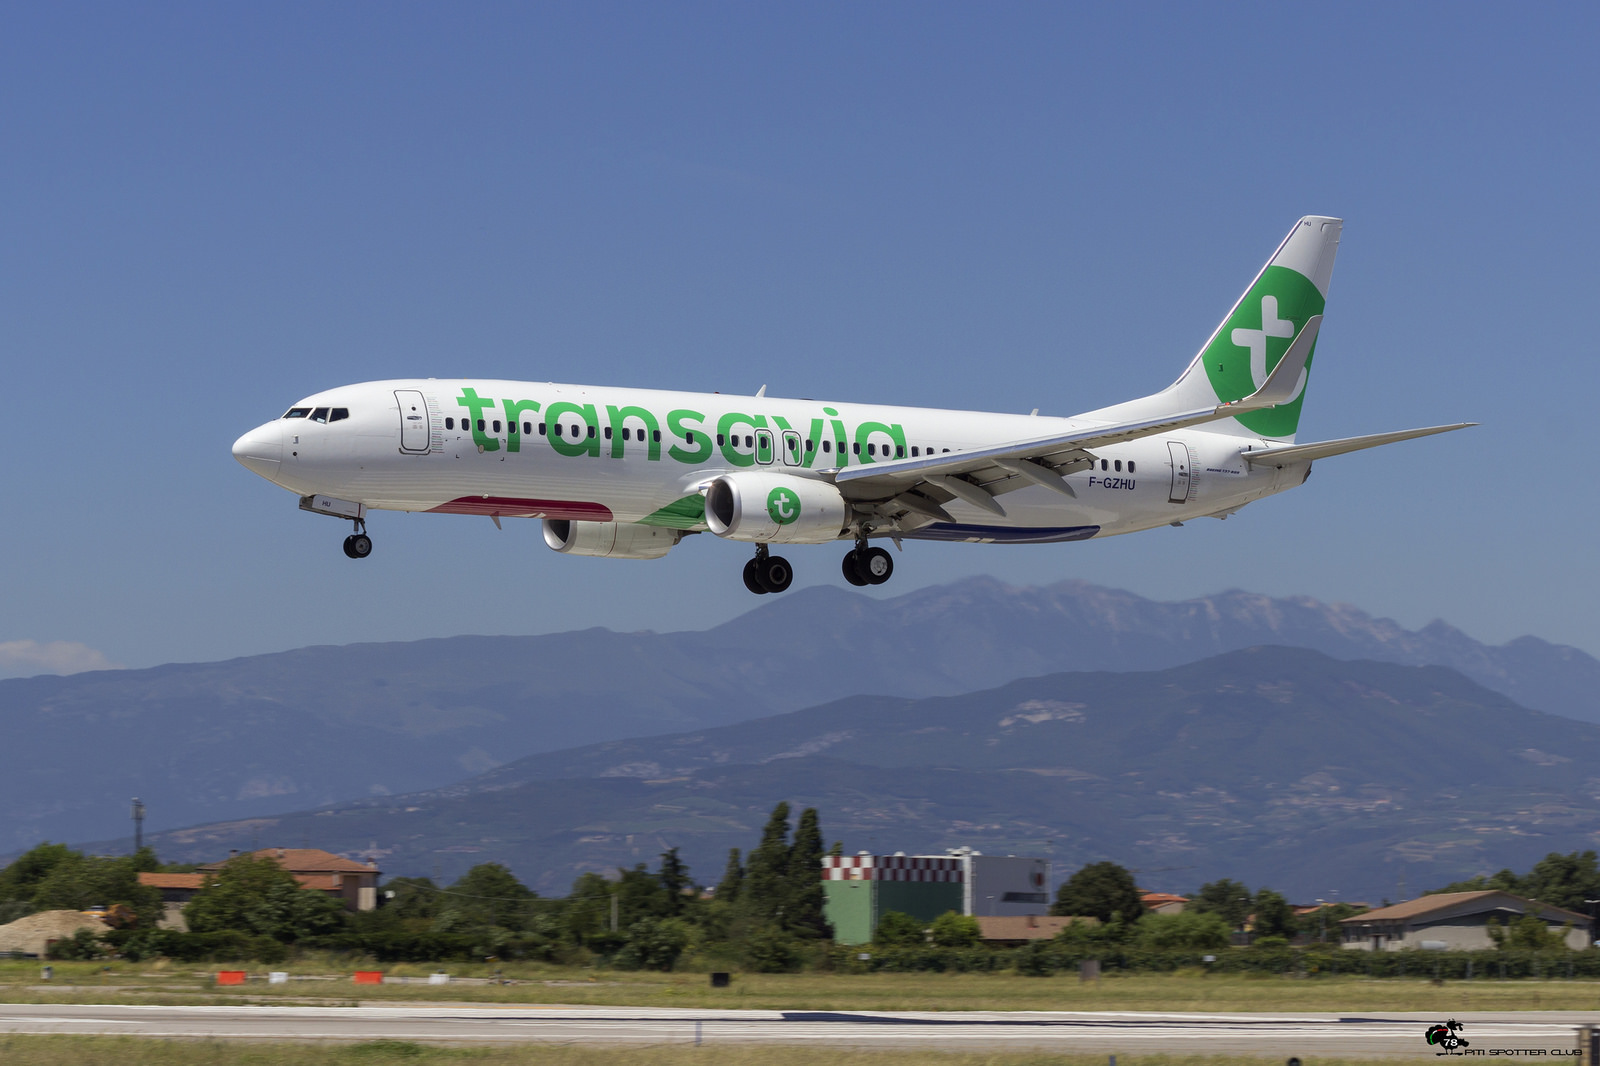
<point>34,933</point>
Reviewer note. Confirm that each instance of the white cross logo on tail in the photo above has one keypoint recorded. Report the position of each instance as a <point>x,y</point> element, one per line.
<point>1256,339</point>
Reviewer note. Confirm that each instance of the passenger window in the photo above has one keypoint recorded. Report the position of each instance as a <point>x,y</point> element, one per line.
<point>339,414</point>
<point>608,433</point>
<point>556,429</point>
<point>856,448</point>
<point>626,433</point>
<point>688,436</point>
<point>319,415</point>
<point>480,425</point>
<point>1119,466</point>
<point>527,427</point>
<point>913,451</point>
<point>946,451</point>
<point>297,412</point>
<point>872,449</point>
<point>749,441</point>
<point>900,450</point>
<point>1104,465</point>
<point>497,425</point>
<point>657,435</point>
<point>449,423</point>
<point>811,445</point>
<point>1130,466</point>
<point>719,440</point>
<point>827,446</point>
<point>541,429</point>
<point>591,433</point>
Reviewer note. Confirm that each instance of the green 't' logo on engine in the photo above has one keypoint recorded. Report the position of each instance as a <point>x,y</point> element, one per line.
<point>783,505</point>
<point>1255,337</point>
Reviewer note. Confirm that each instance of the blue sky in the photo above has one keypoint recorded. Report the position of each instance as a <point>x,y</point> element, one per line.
<point>208,211</point>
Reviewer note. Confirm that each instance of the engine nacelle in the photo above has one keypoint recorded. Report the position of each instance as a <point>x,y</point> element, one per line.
<point>774,508</point>
<point>609,540</point>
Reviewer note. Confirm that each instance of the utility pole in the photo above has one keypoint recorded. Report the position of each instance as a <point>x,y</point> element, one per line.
<point>138,823</point>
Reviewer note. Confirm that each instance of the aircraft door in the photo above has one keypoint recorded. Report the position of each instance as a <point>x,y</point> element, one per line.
<point>414,424</point>
<point>764,447</point>
<point>791,448</point>
<point>1180,472</point>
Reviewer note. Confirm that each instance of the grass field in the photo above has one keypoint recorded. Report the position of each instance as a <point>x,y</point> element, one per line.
<point>326,982</point>
<point>126,1051</point>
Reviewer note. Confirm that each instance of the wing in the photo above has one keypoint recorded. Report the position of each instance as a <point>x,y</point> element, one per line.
<point>922,486</point>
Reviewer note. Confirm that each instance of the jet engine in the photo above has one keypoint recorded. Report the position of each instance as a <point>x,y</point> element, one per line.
<point>773,508</point>
<point>609,540</point>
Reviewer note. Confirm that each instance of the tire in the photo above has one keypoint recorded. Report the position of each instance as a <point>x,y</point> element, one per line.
<point>875,566</point>
<point>349,552</point>
<point>851,573</point>
<point>777,574</point>
<point>751,579</point>
<point>359,546</point>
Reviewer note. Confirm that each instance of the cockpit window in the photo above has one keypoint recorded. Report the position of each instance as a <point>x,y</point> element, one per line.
<point>297,412</point>
<point>319,415</point>
<point>338,414</point>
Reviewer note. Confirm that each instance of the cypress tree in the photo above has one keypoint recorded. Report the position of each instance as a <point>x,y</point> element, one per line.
<point>732,878</point>
<point>803,914</point>
<point>764,893</point>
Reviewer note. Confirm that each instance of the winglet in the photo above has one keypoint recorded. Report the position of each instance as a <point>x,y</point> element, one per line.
<point>1287,378</point>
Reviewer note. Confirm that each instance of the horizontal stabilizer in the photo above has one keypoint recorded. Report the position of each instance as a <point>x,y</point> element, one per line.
<point>1299,453</point>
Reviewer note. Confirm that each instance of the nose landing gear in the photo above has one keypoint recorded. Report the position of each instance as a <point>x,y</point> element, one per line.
<point>767,573</point>
<point>358,545</point>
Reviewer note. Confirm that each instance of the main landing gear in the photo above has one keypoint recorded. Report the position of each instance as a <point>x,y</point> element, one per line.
<point>767,573</point>
<point>867,566</point>
<point>358,545</point>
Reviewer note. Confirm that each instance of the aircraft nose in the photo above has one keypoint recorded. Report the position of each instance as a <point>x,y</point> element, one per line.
<point>261,450</point>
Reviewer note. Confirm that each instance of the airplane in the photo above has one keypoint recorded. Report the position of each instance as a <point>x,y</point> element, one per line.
<point>628,473</point>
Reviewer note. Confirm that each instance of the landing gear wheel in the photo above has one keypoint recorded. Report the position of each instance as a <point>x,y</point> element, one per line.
<point>851,568</point>
<point>874,565</point>
<point>358,545</point>
<point>752,578</point>
<point>774,573</point>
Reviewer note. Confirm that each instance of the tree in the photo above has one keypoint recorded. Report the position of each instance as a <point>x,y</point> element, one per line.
<point>486,896</point>
<point>79,882</point>
<point>257,897</point>
<point>898,929</point>
<point>1184,931</point>
<point>1322,924</point>
<point>20,880</point>
<point>1231,899</point>
<point>653,944</point>
<point>1273,915</point>
<point>803,914</point>
<point>1568,881</point>
<point>588,911</point>
<point>952,930</point>
<point>1528,933</point>
<point>732,878</point>
<point>764,893</point>
<point>1100,890</point>
<point>413,897</point>
<point>675,882</point>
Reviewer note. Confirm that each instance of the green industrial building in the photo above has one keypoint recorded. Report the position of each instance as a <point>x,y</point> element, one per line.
<point>861,889</point>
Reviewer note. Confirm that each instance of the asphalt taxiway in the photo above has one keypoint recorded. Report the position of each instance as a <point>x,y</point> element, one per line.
<point>1548,1034</point>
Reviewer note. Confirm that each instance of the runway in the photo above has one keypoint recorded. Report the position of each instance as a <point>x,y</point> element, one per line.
<point>1550,1034</point>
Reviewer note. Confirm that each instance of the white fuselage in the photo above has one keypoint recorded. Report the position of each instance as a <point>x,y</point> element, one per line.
<point>603,454</point>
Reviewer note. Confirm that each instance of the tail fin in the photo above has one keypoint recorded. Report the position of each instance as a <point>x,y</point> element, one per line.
<point>1248,343</point>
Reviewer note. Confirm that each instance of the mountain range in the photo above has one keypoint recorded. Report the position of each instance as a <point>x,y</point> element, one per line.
<point>272,733</point>
<point>1278,766</point>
